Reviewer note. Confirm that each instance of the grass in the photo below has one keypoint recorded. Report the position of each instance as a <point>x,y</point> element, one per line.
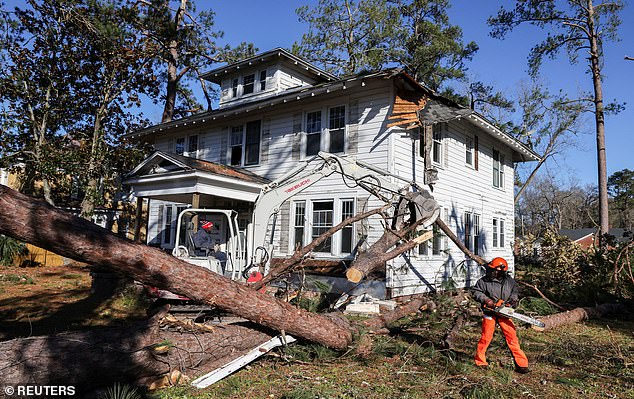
<point>594,359</point>
<point>589,360</point>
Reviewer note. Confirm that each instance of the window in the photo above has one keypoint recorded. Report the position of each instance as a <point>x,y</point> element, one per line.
<point>322,221</point>
<point>501,233</point>
<point>298,225</point>
<point>252,148</point>
<point>313,133</point>
<point>469,151</point>
<point>244,144</point>
<point>167,227</point>
<point>248,84</point>
<point>476,234</point>
<point>498,169</point>
<point>192,146</point>
<point>180,146</point>
<point>438,243</point>
<point>236,146</point>
<point>337,128</point>
<point>262,80</point>
<point>347,210</point>
<point>472,231</point>
<point>498,233</point>
<point>436,149</point>
<point>468,226</point>
<point>234,88</point>
<point>310,219</point>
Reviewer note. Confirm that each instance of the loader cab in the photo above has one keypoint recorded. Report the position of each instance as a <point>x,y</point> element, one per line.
<point>225,249</point>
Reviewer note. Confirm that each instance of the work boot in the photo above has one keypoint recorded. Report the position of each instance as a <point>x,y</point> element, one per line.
<point>522,370</point>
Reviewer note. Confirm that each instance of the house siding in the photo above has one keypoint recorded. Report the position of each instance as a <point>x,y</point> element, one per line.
<point>460,188</point>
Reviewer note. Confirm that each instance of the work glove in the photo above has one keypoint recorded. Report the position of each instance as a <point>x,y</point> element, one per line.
<point>489,303</point>
<point>513,303</point>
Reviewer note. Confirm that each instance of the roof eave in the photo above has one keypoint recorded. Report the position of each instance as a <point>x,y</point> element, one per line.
<point>215,75</point>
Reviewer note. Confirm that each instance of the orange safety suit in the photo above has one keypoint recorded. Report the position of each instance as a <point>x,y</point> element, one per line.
<point>508,329</point>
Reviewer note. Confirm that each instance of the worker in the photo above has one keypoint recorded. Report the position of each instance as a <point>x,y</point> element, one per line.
<point>203,239</point>
<point>494,286</point>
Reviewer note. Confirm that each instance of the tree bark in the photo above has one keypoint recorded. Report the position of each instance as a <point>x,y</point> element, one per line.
<point>595,68</point>
<point>580,314</point>
<point>140,353</point>
<point>44,226</point>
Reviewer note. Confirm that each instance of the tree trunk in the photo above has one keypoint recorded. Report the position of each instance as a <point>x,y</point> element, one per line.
<point>581,314</point>
<point>172,66</point>
<point>139,353</point>
<point>595,68</point>
<point>88,203</point>
<point>40,224</point>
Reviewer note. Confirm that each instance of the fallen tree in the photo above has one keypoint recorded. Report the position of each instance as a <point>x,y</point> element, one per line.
<point>140,353</point>
<point>41,224</point>
<point>580,314</point>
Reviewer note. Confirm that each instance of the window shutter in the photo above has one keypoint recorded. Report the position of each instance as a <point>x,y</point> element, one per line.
<point>266,140</point>
<point>285,217</point>
<point>353,127</point>
<point>202,151</point>
<point>297,136</point>
<point>159,225</point>
<point>475,152</point>
<point>170,146</point>
<point>224,138</point>
<point>361,227</point>
<point>445,144</point>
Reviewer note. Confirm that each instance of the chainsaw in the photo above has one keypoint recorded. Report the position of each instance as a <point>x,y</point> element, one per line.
<point>501,309</point>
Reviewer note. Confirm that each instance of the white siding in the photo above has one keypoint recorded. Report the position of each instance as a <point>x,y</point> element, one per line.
<point>460,188</point>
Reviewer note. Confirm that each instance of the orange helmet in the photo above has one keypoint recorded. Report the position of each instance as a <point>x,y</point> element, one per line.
<point>499,264</point>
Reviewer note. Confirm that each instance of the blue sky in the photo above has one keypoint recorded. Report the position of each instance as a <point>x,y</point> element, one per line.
<point>501,63</point>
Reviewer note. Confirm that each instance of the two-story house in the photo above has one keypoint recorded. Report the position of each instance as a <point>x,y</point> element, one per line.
<point>276,109</point>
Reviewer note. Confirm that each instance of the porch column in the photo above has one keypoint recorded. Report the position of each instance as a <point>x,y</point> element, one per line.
<point>137,219</point>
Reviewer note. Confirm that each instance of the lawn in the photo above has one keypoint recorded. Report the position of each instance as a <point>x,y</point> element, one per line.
<point>594,359</point>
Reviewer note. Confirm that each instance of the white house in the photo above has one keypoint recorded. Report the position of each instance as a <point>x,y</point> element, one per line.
<point>277,109</point>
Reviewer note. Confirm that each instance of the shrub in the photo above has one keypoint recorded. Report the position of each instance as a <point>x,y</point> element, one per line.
<point>9,249</point>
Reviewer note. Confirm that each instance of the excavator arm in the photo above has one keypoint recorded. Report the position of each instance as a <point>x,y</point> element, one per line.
<point>406,197</point>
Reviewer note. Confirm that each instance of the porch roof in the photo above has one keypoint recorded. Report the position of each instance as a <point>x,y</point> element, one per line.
<point>172,177</point>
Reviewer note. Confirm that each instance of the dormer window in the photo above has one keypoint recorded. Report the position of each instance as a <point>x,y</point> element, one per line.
<point>234,88</point>
<point>262,80</point>
<point>248,84</point>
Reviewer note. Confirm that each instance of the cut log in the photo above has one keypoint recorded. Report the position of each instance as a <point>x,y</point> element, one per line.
<point>38,223</point>
<point>414,305</point>
<point>581,314</point>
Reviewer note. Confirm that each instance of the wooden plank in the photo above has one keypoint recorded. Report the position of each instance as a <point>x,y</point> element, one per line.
<point>236,364</point>
<point>403,116</point>
<point>404,122</point>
